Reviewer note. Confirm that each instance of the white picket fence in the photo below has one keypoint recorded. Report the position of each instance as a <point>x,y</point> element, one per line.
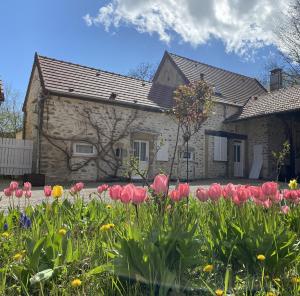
<point>15,156</point>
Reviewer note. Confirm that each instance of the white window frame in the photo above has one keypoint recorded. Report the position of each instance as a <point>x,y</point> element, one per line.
<point>83,154</point>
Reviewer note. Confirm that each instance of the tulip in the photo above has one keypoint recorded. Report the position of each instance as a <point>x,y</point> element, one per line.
<point>285,209</point>
<point>73,190</point>
<point>102,188</point>
<point>202,194</point>
<point>7,192</point>
<point>115,192</point>
<point>215,191</point>
<point>27,186</point>
<point>28,193</point>
<point>175,195</point>
<point>160,184</point>
<point>78,186</point>
<point>257,193</point>
<point>19,193</point>
<point>139,195</point>
<point>269,188</point>
<point>267,203</point>
<point>57,191</point>
<point>184,190</point>
<point>243,193</point>
<point>47,191</point>
<point>229,190</point>
<point>293,184</point>
<point>13,185</point>
<point>127,193</point>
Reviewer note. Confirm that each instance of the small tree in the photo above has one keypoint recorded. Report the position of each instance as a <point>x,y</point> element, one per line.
<point>280,157</point>
<point>144,71</point>
<point>192,106</point>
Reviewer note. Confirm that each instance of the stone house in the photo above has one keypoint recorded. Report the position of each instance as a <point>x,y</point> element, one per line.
<point>86,123</point>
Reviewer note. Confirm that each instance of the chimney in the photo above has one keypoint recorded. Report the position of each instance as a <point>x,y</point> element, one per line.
<point>276,79</point>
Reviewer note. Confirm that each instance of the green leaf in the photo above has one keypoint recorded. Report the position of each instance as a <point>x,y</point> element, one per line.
<point>99,269</point>
<point>41,276</point>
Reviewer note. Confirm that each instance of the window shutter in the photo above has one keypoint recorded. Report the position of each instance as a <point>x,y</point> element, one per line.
<point>163,152</point>
<point>220,148</point>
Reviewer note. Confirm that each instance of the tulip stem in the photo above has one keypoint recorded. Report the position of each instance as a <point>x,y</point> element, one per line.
<point>137,212</point>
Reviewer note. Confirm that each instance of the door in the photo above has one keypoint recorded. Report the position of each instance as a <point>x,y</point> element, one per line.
<point>238,158</point>
<point>141,153</point>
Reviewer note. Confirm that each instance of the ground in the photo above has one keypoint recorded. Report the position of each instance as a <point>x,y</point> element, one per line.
<point>91,189</point>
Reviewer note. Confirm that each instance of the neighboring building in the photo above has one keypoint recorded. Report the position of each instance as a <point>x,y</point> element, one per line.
<point>1,92</point>
<point>87,123</point>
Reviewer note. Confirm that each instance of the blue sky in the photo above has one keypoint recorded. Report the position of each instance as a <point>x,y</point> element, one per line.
<point>56,29</point>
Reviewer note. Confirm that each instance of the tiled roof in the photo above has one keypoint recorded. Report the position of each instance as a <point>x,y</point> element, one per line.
<point>70,79</point>
<point>234,88</point>
<point>283,100</point>
<point>1,91</point>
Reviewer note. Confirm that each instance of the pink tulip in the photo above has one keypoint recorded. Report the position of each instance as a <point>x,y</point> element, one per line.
<point>7,192</point>
<point>277,197</point>
<point>285,209</point>
<point>127,193</point>
<point>291,195</point>
<point>236,200</point>
<point>139,195</point>
<point>47,191</point>
<point>79,186</point>
<point>19,193</point>
<point>202,194</point>
<point>102,188</point>
<point>229,190</point>
<point>243,193</point>
<point>160,184</point>
<point>184,190</point>
<point>73,190</point>
<point>175,195</point>
<point>215,191</point>
<point>27,186</point>
<point>13,185</point>
<point>269,188</point>
<point>257,193</point>
<point>28,193</point>
<point>267,203</point>
<point>115,192</point>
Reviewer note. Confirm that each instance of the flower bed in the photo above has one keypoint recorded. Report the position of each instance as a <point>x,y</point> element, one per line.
<point>233,240</point>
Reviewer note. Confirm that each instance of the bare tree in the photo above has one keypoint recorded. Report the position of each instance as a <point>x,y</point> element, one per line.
<point>144,71</point>
<point>11,116</point>
<point>106,130</point>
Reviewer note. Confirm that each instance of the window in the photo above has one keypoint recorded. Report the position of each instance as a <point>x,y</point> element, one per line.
<point>186,155</point>
<point>83,149</point>
<point>163,152</point>
<point>118,152</point>
<point>220,148</point>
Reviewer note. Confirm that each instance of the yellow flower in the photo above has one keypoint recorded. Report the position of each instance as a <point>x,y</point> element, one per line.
<point>293,184</point>
<point>18,256</point>
<point>76,283</point>
<point>5,234</point>
<point>219,292</point>
<point>106,227</point>
<point>57,191</point>
<point>208,268</point>
<point>295,280</point>
<point>271,294</point>
<point>261,257</point>
<point>108,207</point>
<point>62,232</point>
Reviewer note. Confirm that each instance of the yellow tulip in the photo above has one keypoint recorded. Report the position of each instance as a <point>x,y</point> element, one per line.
<point>57,191</point>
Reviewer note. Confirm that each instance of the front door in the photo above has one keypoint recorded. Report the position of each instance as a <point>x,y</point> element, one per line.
<point>141,153</point>
<point>238,157</point>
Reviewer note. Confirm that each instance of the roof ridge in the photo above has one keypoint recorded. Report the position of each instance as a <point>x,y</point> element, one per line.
<point>170,53</point>
<point>93,68</point>
<point>274,92</point>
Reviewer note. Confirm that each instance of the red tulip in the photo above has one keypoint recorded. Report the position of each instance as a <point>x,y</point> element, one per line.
<point>215,191</point>
<point>13,185</point>
<point>184,190</point>
<point>19,193</point>
<point>139,195</point>
<point>47,191</point>
<point>27,186</point>
<point>175,195</point>
<point>7,192</point>
<point>127,193</point>
<point>160,184</point>
<point>115,192</point>
<point>202,194</point>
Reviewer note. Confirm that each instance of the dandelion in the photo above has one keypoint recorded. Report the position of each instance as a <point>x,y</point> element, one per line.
<point>219,292</point>
<point>208,268</point>
<point>271,294</point>
<point>108,207</point>
<point>107,227</point>
<point>293,184</point>
<point>57,191</point>
<point>5,235</point>
<point>18,256</point>
<point>295,280</point>
<point>62,231</point>
<point>76,283</point>
<point>261,257</point>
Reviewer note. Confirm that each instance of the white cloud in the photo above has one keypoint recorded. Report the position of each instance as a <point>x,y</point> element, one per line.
<point>242,25</point>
